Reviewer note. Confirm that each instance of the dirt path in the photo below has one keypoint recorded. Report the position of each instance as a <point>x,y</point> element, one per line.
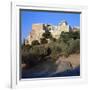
<point>74,59</point>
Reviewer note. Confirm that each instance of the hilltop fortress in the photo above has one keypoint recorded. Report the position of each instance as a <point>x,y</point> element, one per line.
<point>39,29</point>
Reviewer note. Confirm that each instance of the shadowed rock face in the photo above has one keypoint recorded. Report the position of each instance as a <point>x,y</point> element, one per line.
<point>74,59</point>
<point>63,65</point>
<point>72,72</point>
<point>50,69</point>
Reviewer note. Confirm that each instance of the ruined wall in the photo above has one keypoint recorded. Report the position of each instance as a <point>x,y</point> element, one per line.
<point>39,29</point>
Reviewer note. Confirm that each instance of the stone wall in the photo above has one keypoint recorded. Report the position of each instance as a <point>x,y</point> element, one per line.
<point>39,29</point>
<point>36,34</point>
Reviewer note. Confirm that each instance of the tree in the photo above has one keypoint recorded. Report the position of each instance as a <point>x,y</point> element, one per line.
<point>53,39</point>
<point>47,35</point>
<point>74,46</point>
<point>35,42</point>
<point>76,35</point>
<point>43,40</point>
<point>64,37</point>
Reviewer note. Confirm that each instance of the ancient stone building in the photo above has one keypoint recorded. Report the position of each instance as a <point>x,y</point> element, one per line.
<point>36,34</point>
<point>62,26</point>
<point>75,29</point>
<point>39,29</point>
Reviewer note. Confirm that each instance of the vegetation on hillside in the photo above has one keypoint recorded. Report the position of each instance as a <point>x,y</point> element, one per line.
<point>68,43</point>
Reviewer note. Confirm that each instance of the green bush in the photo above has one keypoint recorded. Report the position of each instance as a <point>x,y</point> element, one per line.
<point>34,55</point>
<point>53,39</point>
<point>47,35</point>
<point>38,50</point>
<point>66,36</point>
<point>69,42</point>
<point>35,42</point>
<point>25,48</point>
<point>55,50</point>
<point>74,46</point>
<point>43,41</point>
<point>64,48</point>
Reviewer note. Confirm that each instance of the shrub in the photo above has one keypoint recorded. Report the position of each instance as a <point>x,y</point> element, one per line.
<point>47,35</point>
<point>55,50</point>
<point>38,50</point>
<point>25,48</point>
<point>43,41</point>
<point>35,42</point>
<point>76,35</point>
<point>66,36</point>
<point>69,42</point>
<point>74,46</point>
<point>64,47</point>
<point>30,59</point>
<point>53,39</point>
<point>34,55</point>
